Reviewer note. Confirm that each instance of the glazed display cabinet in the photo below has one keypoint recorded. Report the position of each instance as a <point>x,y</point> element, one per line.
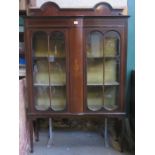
<point>76,62</point>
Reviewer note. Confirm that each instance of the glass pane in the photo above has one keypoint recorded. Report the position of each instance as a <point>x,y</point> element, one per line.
<point>58,72</point>
<point>94,71</point>
<point>111,44</point>
<point>57,44</point>
<point>57,62</point>
<point>95,45</point>
<point>40,72</point>
<point>94,98</point>
<point>110,71</point>
<point>110,98</point>
<point>41,98</point>
<point>58,98</point>
<point>40,44</point>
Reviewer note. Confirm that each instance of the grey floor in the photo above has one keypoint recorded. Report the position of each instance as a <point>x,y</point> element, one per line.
<point>73,143</point>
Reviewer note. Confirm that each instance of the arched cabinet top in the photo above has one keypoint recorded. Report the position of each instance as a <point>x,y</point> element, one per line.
<point>52,9</point>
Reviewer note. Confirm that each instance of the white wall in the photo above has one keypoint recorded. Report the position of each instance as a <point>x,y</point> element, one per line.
<point>84,3</point>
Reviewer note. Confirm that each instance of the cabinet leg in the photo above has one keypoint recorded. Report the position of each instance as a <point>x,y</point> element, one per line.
<point>50,133</point>
<point>50,128</point>
<point>36,130</point>
<point>106,133</point>
<point>122,134</point>
<point>31,135</point>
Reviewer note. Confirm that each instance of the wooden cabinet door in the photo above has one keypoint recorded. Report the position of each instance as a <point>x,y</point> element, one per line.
<point>102,70</point>
<point>58,70</point>
<point>49,70</point>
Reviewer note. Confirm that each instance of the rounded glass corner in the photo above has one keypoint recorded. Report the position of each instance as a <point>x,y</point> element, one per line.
<point>40,44</point>
<point>57,44</point>
<point>58,98</point>
<point>94,45</point>
<point>111,44</point>
<point>110,98</point>
<point>94,98</point>
<point>42,98</point>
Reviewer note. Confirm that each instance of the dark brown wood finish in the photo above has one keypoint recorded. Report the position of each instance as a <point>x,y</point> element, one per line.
<point>76,68</point>
<point>106,20</point>
<point>52,9</point>
<point>29,74</point>
<point>124,62</point>
<point>102,27</point>
<point>75,24</point>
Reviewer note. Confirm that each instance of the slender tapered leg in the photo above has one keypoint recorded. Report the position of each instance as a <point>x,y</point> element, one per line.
<point>31,135</point>
<point>50,128</point>
<point>36,130</point>
<point>122,134</point>
<point>106,133</point>
<point>50,133</point>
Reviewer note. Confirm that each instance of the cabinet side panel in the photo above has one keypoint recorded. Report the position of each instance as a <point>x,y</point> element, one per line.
<point>123,65</point>
<point>28,57</point>
<point>76,70</point>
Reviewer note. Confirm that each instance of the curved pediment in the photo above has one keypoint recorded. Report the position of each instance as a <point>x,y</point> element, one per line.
<point>80,4</point>
<point>53,9</point>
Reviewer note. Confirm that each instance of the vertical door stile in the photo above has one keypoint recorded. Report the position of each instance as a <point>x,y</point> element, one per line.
<point>85,69</point>
<point>67,70</point>
<point>29,69</point>
<point>103,72</point>
<point>50,93</point>
<point>76,67</point>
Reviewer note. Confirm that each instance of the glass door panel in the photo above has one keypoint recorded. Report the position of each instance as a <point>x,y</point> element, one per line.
<point>94,98</point>
<point>57,44</point>
<point>58,98</point>
<point>94,71</point>
<point>40,72</point>
<point>110,71</point>
<point>111,44</point>
<point>40,44</point>
<point>110,97</point>
<point>42,98</point>
<point>57,68</point>
<point>58,72</point>
<point>49,70</point>
<point>41,85</point>
<point>94,44</point>
<point>102,70</point>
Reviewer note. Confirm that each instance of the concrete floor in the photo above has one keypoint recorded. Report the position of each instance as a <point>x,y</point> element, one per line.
<point>73,143</point>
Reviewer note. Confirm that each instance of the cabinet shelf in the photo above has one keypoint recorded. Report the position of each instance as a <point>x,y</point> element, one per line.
<point>57,85</point>
<point>94,57</point>
<point>111,57</point>
<point>105,84</point>
<point>40,85</point>
<point>47,85</point>
<point>111,84</point>
<point>47,57</point>
<point>104,57</point>
<point>94,84</point>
